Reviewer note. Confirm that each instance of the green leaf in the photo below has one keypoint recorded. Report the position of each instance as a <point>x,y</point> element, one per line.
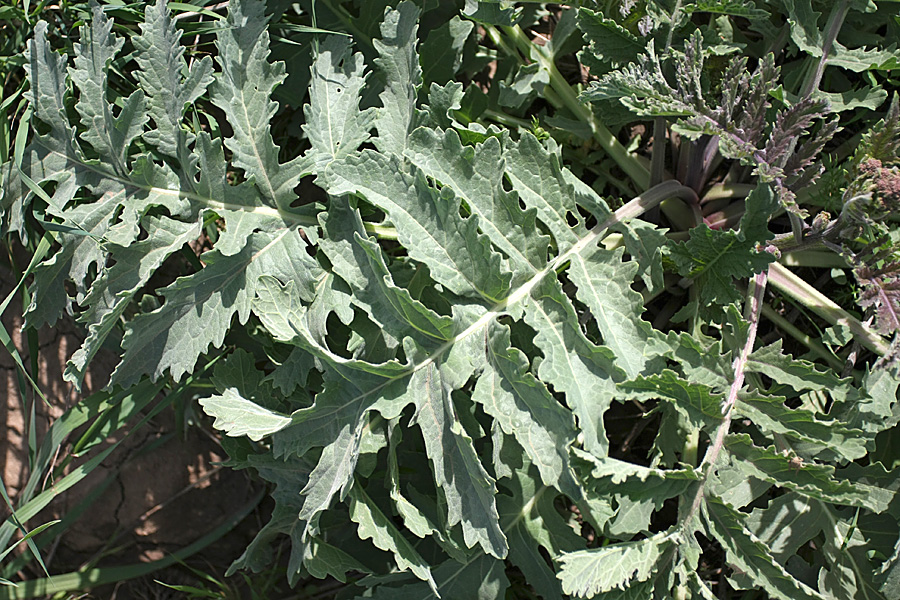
<point>468,488</point>
<point>536,175</point>
<point>797,373</point>
<point>325,560</point>
<point>604,286</point>
<point>475,175</point>
<point>534,526</point>
<point>771,415</point>
<point>398,62</point>
<point>713,259</point>
<point>788,522</point>
<point>237,417</point>
<point>359,261</point>
<point>481,576</point>
<point>584,372</point>
<point>527,83</point>
<point>289,476</point>
<point>524,408</point>
<point>160,57</point>
<point>609,41</point>
<point>198,309</point>
<point>810,39</point>
<point>374,524</point>
<point>428,223</point>
<point>241,206</point>
<point>813,480</point>
<point>442,51</point>
<point>113,291</point>
<point>243,91</point>
<point>695,401</point>
<point>109,135</point>
<point>645,243</point>
<point>736,8</point>
<point>335,126</point>
<point>492,13</point>
<point>748,554</point>
<point>586,573</point>
<point>625,478</point>
<point>867,97</point>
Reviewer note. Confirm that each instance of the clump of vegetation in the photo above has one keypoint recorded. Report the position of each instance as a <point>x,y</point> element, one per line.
<point>501,301</point>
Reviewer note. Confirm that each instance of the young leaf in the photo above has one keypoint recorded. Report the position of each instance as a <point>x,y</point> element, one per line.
<point>237,417</point>
<point>160,57</point>
<point>109,135</point>
<point>243,91</point>
<point>609,41</point>
<point>811,480</point>
<point>335,126</point>
<point>475,175</point>
<point>604,286</point>
<point>399,65</point>
<point>715,258</point>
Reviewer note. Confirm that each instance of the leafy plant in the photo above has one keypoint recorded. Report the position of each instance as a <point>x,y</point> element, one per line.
<point>425,352</point>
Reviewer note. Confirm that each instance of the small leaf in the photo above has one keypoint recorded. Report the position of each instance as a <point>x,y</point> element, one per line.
<point>696,401</point>
<point>813,480</point>
<point>335,126</point>
<point>442,51</point>
<point>584,372</point>
<point>236,416</point>
<point>586,573</point>
<point>523,407</point>
<point>609,41</point>
<point>604,286</point>
<point>243,91</point>
<point>399,65</point>
<point>469,490</point>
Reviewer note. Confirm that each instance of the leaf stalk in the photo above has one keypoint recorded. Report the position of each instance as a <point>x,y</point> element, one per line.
<point>631,164</point>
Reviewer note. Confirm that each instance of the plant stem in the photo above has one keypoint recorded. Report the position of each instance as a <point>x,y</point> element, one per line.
<point>814,346</point>
<point>755,293</point>
<point>727,190</point>
<point>631,164</point>
<point>798,289</point>
<point>832,27</point>
<point>691,448</point>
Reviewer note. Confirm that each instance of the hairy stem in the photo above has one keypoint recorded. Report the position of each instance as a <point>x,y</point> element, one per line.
<point>755,293</point>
